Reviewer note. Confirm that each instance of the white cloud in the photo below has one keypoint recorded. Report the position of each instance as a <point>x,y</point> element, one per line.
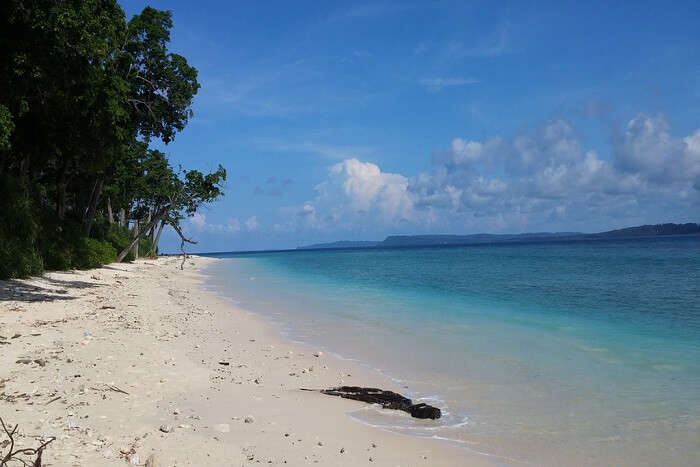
<point>437,84</point>
<point>198,222</point>
<point>251,223</point>
<point>541,179</point>
<point>464,152</point>
<point>330,151</point>
<point>367,187</point>
<point>647,148</point>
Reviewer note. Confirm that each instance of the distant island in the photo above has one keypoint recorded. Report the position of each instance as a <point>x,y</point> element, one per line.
<point>394,241</point>
<point>341,244</point>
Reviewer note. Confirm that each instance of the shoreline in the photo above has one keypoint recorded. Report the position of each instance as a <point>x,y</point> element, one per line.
<point>152,331</point>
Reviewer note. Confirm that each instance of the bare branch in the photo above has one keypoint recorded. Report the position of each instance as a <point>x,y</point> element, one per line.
<point>184,239</point>
<point>14,456</point>
<point>146,80</point>
<point>145,104</point>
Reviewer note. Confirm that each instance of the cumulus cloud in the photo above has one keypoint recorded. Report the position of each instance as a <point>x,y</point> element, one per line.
<point>368,188</point>
<point>544,178</point>
<point>547,175</point>
<point>354,192</point>
<point>647,148</point>
<point>464,152</point>
<point>198,222</point>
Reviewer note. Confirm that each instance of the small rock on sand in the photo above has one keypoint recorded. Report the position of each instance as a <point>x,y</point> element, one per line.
<point>249,419</point>
<point>166,428</point>
<point>318,353</point>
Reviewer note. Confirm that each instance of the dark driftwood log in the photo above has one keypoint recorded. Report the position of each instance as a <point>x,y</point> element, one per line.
<point>387,399</point>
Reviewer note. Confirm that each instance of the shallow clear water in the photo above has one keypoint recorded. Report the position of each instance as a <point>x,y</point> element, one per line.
<point>575,353</point>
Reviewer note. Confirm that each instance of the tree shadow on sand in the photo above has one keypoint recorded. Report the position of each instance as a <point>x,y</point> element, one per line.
<point>113,268</point>
<point>48,290</point>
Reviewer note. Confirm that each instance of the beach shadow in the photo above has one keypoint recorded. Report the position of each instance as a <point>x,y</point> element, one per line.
<point>113,268</point>
<point>51,289</point>
<point>69,284</point>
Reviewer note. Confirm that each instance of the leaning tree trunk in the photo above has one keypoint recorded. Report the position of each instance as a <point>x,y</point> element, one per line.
<point>184,253</point>
<point>176,227</point>
<point>136,235</point>
<point>151,232</point>
<point>154,248</point>
<point>61,194</point>
<point>154,220</point>
<point>61,200</point>
<point>92,208</point>
<point>110,214</point>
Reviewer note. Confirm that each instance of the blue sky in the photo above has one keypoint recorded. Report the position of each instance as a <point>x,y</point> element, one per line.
<point>358,120</point>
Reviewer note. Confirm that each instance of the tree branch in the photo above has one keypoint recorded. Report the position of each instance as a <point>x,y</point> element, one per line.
<point>184,239</point>
<point>13,456</point>
<point>154,220</point>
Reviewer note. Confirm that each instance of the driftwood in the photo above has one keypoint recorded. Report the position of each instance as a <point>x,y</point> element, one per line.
<point>387,399</point>
<point>20,456</point>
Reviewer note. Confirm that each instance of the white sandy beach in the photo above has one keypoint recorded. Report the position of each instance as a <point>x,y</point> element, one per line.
<point>123,365</point>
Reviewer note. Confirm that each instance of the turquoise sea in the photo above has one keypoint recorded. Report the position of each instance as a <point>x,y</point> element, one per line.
<point>570,353</point>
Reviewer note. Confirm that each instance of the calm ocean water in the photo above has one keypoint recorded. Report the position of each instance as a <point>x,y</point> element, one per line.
<point>583,353</point>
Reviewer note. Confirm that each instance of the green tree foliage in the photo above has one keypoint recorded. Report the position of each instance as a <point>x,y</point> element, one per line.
<point>179,196</point>
<point>7,126</point>
<point>83,92</point>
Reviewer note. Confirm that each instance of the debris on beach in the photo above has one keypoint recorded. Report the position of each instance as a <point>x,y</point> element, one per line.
<point>387,399</point>
<point>166,428</point>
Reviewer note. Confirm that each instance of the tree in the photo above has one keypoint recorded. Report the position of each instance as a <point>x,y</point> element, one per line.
<point>185,194</point>
<point>83,92</point>
<point>160,85</point>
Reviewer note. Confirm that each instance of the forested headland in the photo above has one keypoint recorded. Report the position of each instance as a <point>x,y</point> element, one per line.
<point>84,92</point>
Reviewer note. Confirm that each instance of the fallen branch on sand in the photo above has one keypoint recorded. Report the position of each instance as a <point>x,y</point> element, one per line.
<point>109,387</point>
<point>16,456</point>
<point>387,399</point>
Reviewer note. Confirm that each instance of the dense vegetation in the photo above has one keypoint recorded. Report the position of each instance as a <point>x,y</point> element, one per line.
<point>654,230</point>
<point>83,93</point>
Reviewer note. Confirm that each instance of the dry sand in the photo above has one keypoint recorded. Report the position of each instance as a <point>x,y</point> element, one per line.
<point>122,366</point>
